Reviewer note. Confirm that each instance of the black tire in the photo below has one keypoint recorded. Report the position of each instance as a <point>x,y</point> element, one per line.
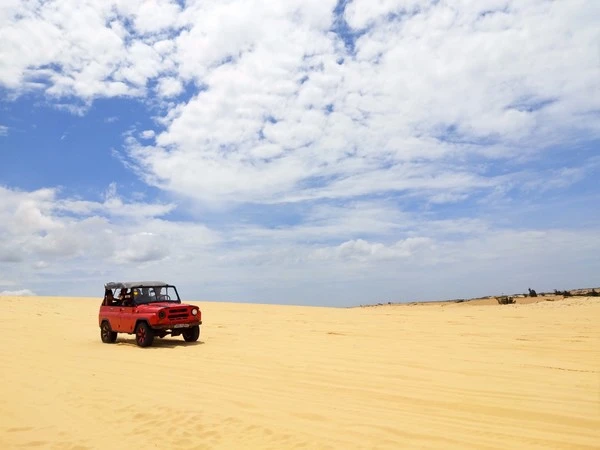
<point>144,335</point>
<point>191,334</point>
<point>107,335</point>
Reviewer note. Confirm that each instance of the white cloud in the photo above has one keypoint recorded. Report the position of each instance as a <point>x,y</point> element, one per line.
<point>337,254</point>
<point>282,120</point>
<point>40,265</point>
<point>41,226</point>
<point>169,87</point>
<point>18,293</point>
<point>3,130</point>
<point>141,247</point>
<point>560,178</point>
<point>83,48</point>
<point>364,251</point>
<point>147,134</point>
<point>154,15</point>
<point>360,13</point>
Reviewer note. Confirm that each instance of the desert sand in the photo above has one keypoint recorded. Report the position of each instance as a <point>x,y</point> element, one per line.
<point>446,375</point>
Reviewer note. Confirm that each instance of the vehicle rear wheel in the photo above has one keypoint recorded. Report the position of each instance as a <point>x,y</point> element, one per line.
<point>191,334</point>
<point>144,335</point>
<point>107,335</point>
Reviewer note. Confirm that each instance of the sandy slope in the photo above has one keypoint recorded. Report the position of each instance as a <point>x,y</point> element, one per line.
<point>425,376</point>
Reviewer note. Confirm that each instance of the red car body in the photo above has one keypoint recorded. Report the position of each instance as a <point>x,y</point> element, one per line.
<point>145,315</point>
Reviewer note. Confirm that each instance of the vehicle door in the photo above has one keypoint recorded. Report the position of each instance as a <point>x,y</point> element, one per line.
<point>109,309</point>
<point>127,318</point>
<point>111,312</point>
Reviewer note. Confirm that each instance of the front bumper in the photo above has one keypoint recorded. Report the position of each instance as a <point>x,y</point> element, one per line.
<point>177,326</point>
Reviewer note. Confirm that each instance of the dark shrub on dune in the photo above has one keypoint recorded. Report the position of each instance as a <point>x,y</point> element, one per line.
<point>505,300</point>
<point>563,293</point>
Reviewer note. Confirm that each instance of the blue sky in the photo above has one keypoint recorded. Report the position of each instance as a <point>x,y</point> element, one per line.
<point>308,152</point>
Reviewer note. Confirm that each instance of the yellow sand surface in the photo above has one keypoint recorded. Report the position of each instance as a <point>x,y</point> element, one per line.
<point>438,376</point>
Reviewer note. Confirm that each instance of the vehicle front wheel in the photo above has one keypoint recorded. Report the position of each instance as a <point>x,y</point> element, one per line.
<point>191,334</point>
<point>107,335</point>
<point>144,335</point>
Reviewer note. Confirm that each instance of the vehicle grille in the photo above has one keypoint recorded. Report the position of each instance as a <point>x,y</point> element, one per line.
<point>177,313</point>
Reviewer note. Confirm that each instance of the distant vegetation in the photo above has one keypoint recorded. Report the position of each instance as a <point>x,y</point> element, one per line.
<point>505,300</point>
<point>563,293</point>
<point>510,299</point>
<point>572,293</point>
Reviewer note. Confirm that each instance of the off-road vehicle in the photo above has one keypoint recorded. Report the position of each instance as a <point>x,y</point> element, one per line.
<point>146,309</point>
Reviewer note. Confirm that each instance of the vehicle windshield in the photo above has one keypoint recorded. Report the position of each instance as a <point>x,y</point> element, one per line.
<point>141,295</point>
<point>154,294</point>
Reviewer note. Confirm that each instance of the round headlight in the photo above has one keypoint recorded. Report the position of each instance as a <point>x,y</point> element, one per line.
<point>194,312</point>
<point>162,314</point>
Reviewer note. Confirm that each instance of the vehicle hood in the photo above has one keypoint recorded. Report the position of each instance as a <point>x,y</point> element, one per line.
<point>150,307</point>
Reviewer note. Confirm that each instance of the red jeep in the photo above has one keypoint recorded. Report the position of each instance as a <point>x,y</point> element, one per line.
<point>146,309</point>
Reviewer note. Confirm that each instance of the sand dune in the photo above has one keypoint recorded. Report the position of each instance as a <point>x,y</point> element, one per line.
<point>465,376</point>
